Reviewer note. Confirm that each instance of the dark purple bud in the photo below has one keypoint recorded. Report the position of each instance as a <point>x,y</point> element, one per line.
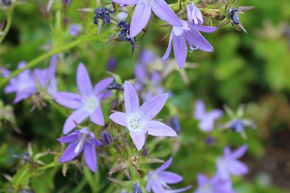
<point>104,14</point>
<point>175,124</point>
<point>106,138</point>
<point>25,156</point>
<point>114,103</point>
<point>136,188</point>
<point>111,64</point>
<point>114,86</point>
<point>209,140</point>
<point>234,16</point>
<point>144,152</point>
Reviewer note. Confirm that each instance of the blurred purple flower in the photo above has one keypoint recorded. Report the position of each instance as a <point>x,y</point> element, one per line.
<point>46,77</point>
<point>159,179</point>
<point>142,13</point>
<point>81,140</point>
<point>181,35</point>
<point>175,124</point>
<point>87,103</point>
<point>230,165</point>
<point>4,72</point>
<point>111,64</point>
<point>238,125</point>
<point>23,85</point>
<point>138,119</point>
<point>75,29</point>
<point>214,185</point>
<point>67,2</point>
<point>206,119</point>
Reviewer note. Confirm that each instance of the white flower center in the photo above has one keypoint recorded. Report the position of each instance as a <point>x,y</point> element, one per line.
<point>134,123</point>
<point>177,31</point>
<point>90,103</point>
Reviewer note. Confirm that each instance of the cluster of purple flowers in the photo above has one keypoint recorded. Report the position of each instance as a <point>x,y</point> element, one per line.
<point>30,82</point>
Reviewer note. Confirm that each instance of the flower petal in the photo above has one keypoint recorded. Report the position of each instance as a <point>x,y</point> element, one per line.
<point>199,111</point>
<point>181,190</point>
<point>119,118</point>
<point>152,107</point>
<point>165,13</point>
<point>164,166</point>
<point>75,118</point>
<point>202,179</point>
<point>170,177</point>
<point>91,156</point>
<point>195,39</point>
<point>140,17</point>
<point>68,138</point>
<point>125,2</point>
<point>180,50</point>
<point>157,128</point>
<point>138,139</point>
<point>101,86</point>
<point>131,99</point>
<point>97,116</point>
<point>157,187</point>
<point>240,152</point>
<point>68,99</point>
<point>69,153</point>
<point>237,168</point>
<point>83,81</point>
<point>168,50</point>
<point>206,29</point>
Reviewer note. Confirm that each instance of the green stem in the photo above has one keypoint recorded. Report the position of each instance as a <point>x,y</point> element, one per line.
<point>8,24</point>
<point>42,57</point>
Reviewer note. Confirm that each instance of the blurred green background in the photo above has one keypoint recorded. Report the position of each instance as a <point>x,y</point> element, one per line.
<point>251,69</point>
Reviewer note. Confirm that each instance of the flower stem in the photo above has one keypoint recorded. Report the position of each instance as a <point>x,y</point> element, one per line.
<point>8,24</point>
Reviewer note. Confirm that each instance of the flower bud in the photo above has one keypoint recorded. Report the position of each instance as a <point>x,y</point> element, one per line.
<point>106,138</point>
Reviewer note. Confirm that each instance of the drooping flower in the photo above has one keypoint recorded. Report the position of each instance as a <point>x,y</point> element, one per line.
<point>23,85</point>
<point>81,140</point>
<point>159,179</point>
<point>207,119</point>
<point>142,12</point>
<point>138,119</point>
<point>75,29</point>
<point>190,34</point>
<point>46,77</point>
<point>230,165</point>
<point>87,103</point>
<point>214,185</point>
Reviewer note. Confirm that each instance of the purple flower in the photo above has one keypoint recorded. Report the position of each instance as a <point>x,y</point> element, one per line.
<point>230,165</point>
<point>46,77</point>
<point>142,13</point>
<point>75,29</point>
<point>214,185</point>
<point>138,119</point>
<point>206,119</point>
<point>4,72</point>
<point>180,36</point>
<point>81,140</point>
<point>23,85</point>
<point>87,103</point>
<point>159,179</point>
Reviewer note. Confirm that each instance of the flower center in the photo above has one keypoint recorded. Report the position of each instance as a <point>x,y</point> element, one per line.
<point>134,123</point>
<point>90,103</point>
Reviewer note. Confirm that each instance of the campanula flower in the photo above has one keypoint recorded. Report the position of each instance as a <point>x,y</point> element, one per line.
<point>230,165</point>
<point>214,185</point>
<point>189,34</point>
<point>4,72</point>
<point>75,29</point>
<point>81,140</point>
<point>207,119</point>
<point>46,77</point>
<point>159,179</point>
<point>138,119</point>
<point>142,12</point>
<point>87,103</point>
<point>23,85</point>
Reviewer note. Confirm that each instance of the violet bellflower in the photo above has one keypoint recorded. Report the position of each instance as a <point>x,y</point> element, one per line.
<point>46,77</point>
<point>189,34</point>
<point>81,140</point>
<point>138,119</point>
<point>207,119</point>
<point>214,185</point>
<point>159,179</point>
<point>23,85</point>
<point>87,103</point>
<point>142,12</point>
<point>230,165</point>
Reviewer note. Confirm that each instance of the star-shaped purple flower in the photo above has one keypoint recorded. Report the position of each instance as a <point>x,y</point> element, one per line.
<point>206,119</point>
<point>87,103</point>
<point>214,185</point>
<point>159,179</point>
<point>81,140</point>
<point>185,34</point>
<point>138,119</point>
<point>230,165</point>
<point>46,77</point>
<point>142,13</point>
<point>23,85</point>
